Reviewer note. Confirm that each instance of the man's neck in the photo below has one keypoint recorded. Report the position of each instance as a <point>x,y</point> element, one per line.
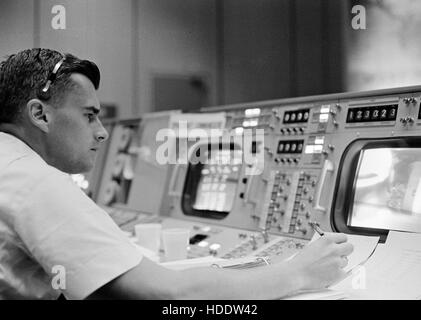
<point>29,139</point>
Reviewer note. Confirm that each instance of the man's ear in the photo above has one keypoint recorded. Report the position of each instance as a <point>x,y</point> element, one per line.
<point>38,114</point>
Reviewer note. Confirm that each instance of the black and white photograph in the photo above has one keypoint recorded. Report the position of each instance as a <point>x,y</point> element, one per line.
<point>226,152</point>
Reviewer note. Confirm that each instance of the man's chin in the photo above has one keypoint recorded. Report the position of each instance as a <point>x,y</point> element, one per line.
<point>82,168</point>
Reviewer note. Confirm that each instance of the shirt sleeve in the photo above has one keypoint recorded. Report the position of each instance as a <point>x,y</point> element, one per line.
<point>63,229</point>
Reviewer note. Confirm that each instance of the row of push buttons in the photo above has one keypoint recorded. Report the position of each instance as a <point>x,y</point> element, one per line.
<point>287,160</point>
<point>295,130</point>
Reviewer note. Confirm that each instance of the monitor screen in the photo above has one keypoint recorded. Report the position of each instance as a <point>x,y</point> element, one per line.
<point>387,190</point>
<point>218,181</point>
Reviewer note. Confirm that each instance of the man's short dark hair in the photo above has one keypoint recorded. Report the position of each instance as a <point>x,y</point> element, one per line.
<point>24,74</point>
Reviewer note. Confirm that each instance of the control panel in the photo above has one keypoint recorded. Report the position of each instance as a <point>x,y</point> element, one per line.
<point>304,140</point>
<point>277,166</point>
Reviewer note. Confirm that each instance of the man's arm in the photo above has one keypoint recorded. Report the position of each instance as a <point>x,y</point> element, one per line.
<point>317,266</point>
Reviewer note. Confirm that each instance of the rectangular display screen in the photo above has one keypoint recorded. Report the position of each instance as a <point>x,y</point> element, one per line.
<point>218,181</point>
<point>371,114</point>
<point>387,190</point>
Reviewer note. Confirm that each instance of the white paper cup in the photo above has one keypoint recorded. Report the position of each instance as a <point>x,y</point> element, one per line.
<point>175,242</point>
<point>149,235</point>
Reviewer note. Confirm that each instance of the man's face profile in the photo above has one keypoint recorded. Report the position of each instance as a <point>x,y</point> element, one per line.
<point>75,132</point>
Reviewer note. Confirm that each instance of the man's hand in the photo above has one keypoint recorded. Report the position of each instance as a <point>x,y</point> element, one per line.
<point>321,263</point>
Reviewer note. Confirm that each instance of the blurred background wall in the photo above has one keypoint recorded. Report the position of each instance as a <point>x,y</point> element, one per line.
<point>186,54</point>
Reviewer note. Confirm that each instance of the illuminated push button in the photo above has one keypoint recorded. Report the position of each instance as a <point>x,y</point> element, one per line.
<point>293,117</point>
<point>287,147</point>
<point>299,116</point>
<point>203,244</point>
<point>293,147</point>
<point>305,116</point>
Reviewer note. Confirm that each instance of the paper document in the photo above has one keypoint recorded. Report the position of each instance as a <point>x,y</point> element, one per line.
<point>392,272</point>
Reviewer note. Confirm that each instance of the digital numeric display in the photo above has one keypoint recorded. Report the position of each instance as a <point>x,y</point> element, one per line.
<point>371,114</point>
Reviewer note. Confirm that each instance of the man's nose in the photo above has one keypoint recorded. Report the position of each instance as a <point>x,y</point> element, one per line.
<point>101,134</point>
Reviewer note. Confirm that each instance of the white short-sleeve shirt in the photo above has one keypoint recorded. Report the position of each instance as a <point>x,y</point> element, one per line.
<point>53,238</point>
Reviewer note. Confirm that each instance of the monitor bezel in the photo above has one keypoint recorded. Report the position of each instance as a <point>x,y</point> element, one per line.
<point>190,187</point>
<point>343,196</point>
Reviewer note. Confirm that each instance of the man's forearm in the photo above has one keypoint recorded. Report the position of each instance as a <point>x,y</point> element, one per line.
<point>269,282</point>
<point>151,281</point>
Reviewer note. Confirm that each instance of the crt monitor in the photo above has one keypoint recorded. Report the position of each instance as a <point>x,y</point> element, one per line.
<point>211,182</point>
<point>379,187</point>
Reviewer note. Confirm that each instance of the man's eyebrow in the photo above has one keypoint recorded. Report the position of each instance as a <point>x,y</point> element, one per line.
<point>92,109</point>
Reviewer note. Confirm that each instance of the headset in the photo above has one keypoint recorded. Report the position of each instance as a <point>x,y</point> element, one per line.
<point>44,92</point>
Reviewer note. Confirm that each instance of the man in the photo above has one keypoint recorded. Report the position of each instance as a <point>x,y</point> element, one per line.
<point>49,128</point>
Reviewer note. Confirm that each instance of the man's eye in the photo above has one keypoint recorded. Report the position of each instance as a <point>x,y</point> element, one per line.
<point>91,117</point>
